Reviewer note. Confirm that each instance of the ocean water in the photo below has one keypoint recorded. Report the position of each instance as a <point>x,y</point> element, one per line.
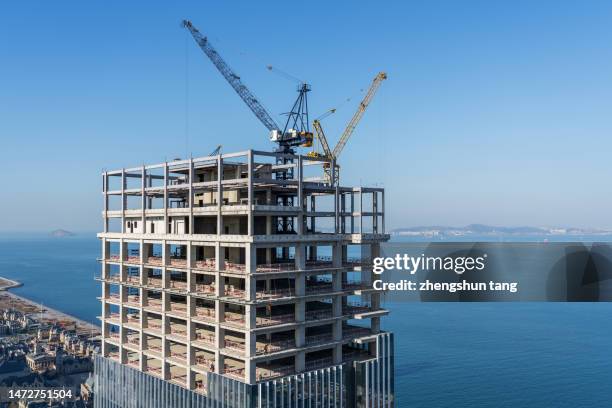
<point>57,272</point>
<point>447,354</point>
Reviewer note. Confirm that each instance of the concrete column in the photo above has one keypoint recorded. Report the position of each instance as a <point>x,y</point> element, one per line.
<point>166,219</point>
<point>191,229</point>
<point>375,212</point>
<point>191,256</point>
<point>383,211</point>
<point>336,205</point>
<point>250,344</point>
<point>342,211</point>
<point>165,253</point>
<point>105,191</point>
<point>219,344</point>
<point>300,197</point>
<point>250,282</point>
<point>300,306</point>
<point>251,220</point>
<point>123,201</point>
<point>143,201</point>
<point>352,212</point>
<point>219,195</point>
<point>220,265</point>
<point>122,251</point>
<point>360,211</point>
<point>250,372</point>
<point>337,354</point>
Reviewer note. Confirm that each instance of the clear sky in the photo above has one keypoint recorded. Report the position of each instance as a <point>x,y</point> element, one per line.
<point>494,112</point>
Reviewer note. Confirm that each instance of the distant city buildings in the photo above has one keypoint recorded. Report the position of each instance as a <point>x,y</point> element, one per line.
<point>35,353</point>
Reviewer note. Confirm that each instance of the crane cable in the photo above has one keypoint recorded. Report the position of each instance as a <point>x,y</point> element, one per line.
<point>186,130</point>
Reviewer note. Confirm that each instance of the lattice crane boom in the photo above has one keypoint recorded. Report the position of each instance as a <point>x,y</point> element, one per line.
<point>232,78</point>
<point>381,76</point>
<point>321,136</point>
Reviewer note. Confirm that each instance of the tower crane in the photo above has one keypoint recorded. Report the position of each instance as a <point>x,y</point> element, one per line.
<point>350,128</point>
<point>216,151</point>
<point>294,133</point>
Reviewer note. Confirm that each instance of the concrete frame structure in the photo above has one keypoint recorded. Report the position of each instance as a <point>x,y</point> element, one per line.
<point>215,264</point>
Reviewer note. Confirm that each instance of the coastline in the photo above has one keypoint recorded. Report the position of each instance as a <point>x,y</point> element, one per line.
<point>6,284</point>
<point>48,314</point>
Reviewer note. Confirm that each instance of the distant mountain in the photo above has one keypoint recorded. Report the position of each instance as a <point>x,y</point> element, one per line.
<point>60,233</point>
<point>480,229</point>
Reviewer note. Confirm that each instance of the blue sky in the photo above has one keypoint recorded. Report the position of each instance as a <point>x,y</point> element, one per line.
<point>494,112</point>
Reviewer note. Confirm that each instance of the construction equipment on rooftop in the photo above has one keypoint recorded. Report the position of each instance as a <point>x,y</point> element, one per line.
<point>350,128</point>
<point>216,151</point>
<point>296,131</point>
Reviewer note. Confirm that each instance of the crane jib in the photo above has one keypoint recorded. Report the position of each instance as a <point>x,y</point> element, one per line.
<point>233,79</point>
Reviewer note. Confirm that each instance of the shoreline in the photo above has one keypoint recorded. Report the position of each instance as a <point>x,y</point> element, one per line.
<point>6,284</point>
<point>30,307</point>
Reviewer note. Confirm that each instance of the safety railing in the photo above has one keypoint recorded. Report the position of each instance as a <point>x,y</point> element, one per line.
<point>319,339</point>
<point>319,314</point>
<point>205,313</point>
<point>133,300</point>
<point>265,373</point>
<point>234,372</point>
<point>155,282</point>
<point>178,261</point>
<point>318,363</point>
<point>263,321</point>
<point>274,346</point>
<point>178,355</point>
<point>235,267</point>
<point>203,288</point>
<point>134,340</point>
<point>231,291</point>
<point>275,267</point>
<point>133,278</point>
<point>155,260</point>
<point>205,338</point>
<point>275,293</point>
<point>178,308</point>
<point>206,264</point>
<point>176,284</point>
<point>154,304</point>
<point>234,345</point>
<point>133,259</point>
<point>234,319</point>
<point>178,331</point>
<point>205,362</point>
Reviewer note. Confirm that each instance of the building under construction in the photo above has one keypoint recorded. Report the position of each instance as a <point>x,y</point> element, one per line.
<point>243,279</point>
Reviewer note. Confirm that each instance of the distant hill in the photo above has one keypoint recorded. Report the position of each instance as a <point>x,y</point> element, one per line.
<point>480,229</point>
<point>60,233</point>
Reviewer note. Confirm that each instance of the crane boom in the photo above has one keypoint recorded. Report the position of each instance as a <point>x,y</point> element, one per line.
<point>321,136</point>
<point>381,76</point>
<point>231,77</point>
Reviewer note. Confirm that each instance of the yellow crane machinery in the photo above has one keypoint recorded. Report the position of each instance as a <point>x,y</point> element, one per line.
<point>322,139</point>
<point>350,128</point>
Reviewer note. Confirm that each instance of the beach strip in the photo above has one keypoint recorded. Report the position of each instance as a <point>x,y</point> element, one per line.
<point>32,308</point>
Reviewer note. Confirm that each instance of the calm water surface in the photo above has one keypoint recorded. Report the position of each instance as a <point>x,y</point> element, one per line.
<point>447,354</point>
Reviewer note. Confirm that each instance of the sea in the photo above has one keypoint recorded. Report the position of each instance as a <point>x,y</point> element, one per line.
<point>446,354</point>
